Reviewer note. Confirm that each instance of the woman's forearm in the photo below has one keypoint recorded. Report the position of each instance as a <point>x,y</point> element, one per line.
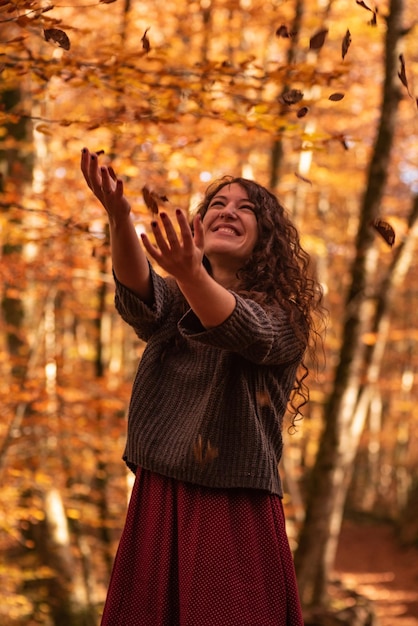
<point>128,258</point>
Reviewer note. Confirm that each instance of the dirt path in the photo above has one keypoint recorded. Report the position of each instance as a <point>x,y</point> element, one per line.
<point>370,561</point>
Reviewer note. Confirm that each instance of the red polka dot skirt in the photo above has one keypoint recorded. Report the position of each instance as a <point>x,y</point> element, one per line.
<point>194,556</point>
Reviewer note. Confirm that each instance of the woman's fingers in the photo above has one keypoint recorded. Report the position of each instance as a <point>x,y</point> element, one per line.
<point>159,237</point>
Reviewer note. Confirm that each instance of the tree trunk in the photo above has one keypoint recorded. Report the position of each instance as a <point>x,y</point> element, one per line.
<point>343,418</point>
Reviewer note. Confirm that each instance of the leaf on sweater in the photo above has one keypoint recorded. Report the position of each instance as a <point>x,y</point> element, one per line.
<point>263,398</point>
<point>204,455</point>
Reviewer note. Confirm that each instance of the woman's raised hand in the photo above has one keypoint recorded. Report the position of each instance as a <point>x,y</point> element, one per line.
<point>103,182</point>
<point>180,254</point>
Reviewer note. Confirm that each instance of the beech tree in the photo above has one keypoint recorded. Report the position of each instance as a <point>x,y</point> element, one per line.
<point>347,407</point>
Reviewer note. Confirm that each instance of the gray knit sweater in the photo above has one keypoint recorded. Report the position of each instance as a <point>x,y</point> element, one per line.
<point>207,405</point>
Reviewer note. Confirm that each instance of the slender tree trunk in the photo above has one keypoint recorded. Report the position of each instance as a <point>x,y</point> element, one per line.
<point>330,476</point>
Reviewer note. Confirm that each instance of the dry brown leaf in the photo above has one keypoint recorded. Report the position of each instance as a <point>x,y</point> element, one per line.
<point>385,230</point>
<point>145,41</point>
<point>283,31</point>
<point>373,21</point>
<point>302,112</point>
<point>263,398</point>
<point>302,178</point>
<point>317,41</point>
<point>346,43</point>
<point>150,199</point>
<point>402,74</point>
<point>335,97</point>
<point>291,97</point>
<point>202,455</point>
<point>58,36</point>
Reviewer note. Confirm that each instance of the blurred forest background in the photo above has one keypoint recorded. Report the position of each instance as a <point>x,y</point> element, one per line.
<point>316,99</point>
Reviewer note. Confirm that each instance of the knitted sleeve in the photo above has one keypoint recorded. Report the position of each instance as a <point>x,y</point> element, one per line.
<point>145,319</point>
<point>263,336</point>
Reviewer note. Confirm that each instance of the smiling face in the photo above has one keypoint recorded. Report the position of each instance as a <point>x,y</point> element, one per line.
<point>230,227</point>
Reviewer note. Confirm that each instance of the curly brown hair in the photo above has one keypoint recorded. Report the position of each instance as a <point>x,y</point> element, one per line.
<point>278,272</point>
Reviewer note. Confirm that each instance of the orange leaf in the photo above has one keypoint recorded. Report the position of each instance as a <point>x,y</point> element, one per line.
<point>152,199</point>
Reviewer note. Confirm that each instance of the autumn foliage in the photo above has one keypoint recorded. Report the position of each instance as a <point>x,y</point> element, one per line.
<point>175,95</point>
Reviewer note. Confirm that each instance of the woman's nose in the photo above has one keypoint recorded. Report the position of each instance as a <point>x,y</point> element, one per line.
<point>228,210</point>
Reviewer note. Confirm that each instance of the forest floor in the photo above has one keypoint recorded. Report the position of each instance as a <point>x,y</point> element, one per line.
<point>371,562</point>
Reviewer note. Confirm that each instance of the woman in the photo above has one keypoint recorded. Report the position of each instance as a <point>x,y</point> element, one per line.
<point>204,542</point>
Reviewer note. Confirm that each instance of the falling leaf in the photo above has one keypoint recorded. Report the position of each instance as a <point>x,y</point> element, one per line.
<point>302,112</point>
<point>283,31</point>
<point>344,143</point>
<point>335,97</point>
<point>317,41</point>
<point>44,129</point>
<point>150,199</point>
<point>385,230</point>
<point>99,152</point>
<point>57,36</point>
<point>302,178</point>
<point>402,74</point>
<point>346,43</point>
<point>291,97</point>
<point>373,21</point>
<point>145,41</point>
